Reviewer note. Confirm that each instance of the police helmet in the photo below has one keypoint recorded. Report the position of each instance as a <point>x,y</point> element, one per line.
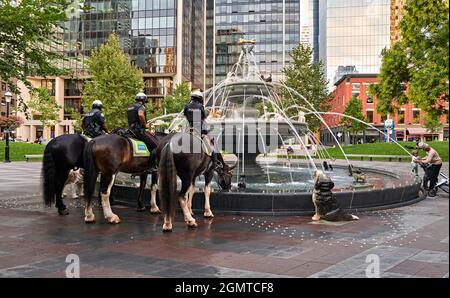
<point>141,97</point>
<point>97,104</point>
<point>198,96</point>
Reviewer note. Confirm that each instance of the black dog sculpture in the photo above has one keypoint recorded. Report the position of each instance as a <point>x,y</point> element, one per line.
<point>327,207</point>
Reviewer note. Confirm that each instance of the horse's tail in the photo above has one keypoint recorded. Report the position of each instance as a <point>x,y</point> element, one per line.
<point>90,171</point>
<point>167,181</point>
<point>48,175</point>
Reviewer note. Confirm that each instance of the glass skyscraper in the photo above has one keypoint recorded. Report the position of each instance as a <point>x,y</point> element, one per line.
<point>352,35</point>
<point>165,38</point>
<point>275,24</point>
<point>148,32</point>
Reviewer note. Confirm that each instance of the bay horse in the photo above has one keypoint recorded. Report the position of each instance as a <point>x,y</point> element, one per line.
<point>187,164</point>
<point>61,155</point>
<point>108,155</point>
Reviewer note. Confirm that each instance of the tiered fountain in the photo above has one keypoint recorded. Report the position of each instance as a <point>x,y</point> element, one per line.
<point>240,121</point>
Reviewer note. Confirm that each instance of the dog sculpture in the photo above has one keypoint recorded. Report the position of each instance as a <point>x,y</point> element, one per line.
<point>357,174</point>
<point>326,206</point>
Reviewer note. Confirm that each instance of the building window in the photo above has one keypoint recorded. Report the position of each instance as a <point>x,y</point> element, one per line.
<point>416,116</point>
<point>369,116</point>
<point>355,89</point>
<point>401,117</point>
<point>369,98</point>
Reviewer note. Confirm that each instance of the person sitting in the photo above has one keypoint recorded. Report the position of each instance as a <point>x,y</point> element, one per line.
<point>137,123</point>
<point>93,122</point>
<point>195,113</point>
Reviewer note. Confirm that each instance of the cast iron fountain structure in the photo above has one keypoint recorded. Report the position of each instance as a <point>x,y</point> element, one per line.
<point>247,117</point>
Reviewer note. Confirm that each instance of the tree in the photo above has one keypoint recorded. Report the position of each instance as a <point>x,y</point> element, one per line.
<point>415,69</point>
<point>114,81</point>
<point>11,122</point>
<point>308,79</point>
<point>354,109</point>
<point>180,97</point>
<point>44,107</point>
<point>28,28</point>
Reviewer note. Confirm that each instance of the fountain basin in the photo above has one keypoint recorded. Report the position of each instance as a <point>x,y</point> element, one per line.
<point>403,192</point>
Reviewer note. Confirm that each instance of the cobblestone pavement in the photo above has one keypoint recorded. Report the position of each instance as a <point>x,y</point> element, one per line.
<point>411,241</point>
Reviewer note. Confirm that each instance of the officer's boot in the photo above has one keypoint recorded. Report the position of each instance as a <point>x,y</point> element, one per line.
<point>215,158</point>
<point>152,161</point>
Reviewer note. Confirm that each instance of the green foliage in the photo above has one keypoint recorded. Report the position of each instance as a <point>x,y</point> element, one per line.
<point>308,79</point>
<point>419,60</point>
<point>76,118</point>
<point>354,109</point>
<point>27,29</point>
<point>176,102</point>
<point>45,106</point>
<point>114,81</point>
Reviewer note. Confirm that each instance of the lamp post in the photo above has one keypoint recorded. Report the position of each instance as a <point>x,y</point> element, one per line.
<point>8,97</point>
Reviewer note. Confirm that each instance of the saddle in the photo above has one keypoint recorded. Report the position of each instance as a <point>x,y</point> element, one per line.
<point>139,147</point>
<point>207,145</point>
<point>88,139</point>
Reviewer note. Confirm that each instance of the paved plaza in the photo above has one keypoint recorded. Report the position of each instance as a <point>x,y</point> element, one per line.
<point>411,241</point>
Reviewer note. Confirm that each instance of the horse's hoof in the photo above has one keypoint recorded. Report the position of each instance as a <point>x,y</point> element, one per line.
<point>155,210</point>
<point>114,219</point>
<point>89,220</point>
<point>192,225</point>
<point>140,209</point>
<point>167,228</point>
<point>208,215</point>
<point>316,217</point>
<point>63,211</point>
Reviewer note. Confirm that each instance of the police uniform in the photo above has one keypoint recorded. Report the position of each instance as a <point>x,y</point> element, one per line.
<point>138,128</point>
<point>190,112</point>
<point>93,123</point>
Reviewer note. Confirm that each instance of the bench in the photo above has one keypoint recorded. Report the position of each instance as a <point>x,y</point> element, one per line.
<point>371,157</point>
<point>31,156</point>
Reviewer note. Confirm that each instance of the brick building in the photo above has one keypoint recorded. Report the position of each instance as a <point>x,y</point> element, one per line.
<point>408,122</point>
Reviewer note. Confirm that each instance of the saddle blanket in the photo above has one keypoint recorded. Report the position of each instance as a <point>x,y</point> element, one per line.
<point>139,148</point>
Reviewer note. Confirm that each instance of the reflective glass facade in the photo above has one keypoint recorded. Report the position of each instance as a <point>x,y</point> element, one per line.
<point>194,42</point>
<point>353,33</point>
<point>147,30</point>
<point>261,20</point>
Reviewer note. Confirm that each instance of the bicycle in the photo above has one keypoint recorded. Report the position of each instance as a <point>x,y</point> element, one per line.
<point>442,183</point>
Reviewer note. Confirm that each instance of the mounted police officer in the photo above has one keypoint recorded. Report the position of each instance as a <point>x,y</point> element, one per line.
<point>93,123</point>
<point>195,113</point>
<point>137,124</point>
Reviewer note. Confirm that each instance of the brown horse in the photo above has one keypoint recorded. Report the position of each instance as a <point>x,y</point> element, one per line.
<point>182,155</point>
<point>108,155</point>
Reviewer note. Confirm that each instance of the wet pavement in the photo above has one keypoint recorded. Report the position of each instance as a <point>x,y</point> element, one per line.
<point>410,241</point>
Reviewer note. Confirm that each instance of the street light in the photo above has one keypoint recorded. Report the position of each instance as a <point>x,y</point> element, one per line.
<point>8,96</point>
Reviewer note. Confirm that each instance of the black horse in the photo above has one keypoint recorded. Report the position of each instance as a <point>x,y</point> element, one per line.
<point>62,154</point>
<point>182,155</point>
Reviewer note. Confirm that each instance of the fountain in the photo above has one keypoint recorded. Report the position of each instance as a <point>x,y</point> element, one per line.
<point>247,118</point>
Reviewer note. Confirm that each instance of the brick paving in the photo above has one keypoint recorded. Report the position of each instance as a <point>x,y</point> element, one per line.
<point>410,241</point>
